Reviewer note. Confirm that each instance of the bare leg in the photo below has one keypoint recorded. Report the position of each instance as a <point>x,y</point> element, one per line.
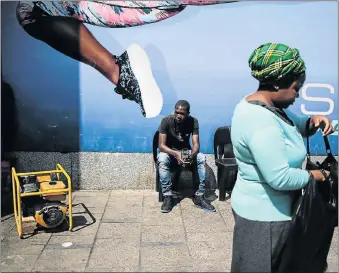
<point>98,56</point>
<point>72,38</point>
<point>60,24</point>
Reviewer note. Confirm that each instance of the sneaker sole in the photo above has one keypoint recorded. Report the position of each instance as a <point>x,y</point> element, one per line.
<point>151,96</point>
<point>207,210</point>
<point>164,211</point>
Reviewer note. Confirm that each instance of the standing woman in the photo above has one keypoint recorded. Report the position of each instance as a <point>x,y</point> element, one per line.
<point>269,149</point>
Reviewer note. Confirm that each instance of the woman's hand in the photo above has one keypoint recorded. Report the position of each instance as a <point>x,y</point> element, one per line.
<point>321,122</point>
<point>319,176</point>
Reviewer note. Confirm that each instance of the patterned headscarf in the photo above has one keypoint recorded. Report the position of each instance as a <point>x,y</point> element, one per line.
<point>270,62</point>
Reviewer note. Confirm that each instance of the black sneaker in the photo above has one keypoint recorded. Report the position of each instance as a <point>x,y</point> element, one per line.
<point>200,202</point>
<point>136,81</point>
<point>167,204</point>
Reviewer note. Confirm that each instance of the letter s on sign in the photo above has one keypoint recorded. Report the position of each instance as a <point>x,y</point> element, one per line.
<point>319,99</point>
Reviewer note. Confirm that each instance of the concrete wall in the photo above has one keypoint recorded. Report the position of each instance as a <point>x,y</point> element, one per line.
<point>97,171</point>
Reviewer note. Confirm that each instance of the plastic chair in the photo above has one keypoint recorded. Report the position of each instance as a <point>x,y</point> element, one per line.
<point>225,161</point>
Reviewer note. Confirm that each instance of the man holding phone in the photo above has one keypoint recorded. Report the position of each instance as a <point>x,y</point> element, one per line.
<point>174,136</point>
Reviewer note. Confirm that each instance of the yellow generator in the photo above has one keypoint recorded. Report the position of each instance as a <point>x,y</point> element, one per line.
<point>41,197</point>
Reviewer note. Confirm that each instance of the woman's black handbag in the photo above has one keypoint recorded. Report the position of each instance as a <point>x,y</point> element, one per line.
<point>329,164</point>
<point>313,221</point>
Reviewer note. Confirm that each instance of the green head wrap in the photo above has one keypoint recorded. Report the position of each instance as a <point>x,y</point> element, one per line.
<point>271,62</point>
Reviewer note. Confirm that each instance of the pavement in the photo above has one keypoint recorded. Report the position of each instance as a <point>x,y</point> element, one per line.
<point>124,231</point>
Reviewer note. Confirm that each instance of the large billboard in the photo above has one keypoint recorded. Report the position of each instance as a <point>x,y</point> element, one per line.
<point>60,61</point>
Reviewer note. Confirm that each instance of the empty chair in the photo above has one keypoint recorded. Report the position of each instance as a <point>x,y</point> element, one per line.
<point>225,161</point>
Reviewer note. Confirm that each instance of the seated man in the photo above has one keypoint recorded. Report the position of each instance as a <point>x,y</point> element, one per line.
<point>174,135</point>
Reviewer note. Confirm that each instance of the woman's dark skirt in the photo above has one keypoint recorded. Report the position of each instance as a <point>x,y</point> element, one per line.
<point>257,245</point>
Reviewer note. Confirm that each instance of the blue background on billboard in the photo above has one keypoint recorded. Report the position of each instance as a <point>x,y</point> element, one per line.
<point>200,55</point>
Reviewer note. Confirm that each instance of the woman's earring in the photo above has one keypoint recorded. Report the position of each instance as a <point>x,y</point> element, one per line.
<point>276,87</point>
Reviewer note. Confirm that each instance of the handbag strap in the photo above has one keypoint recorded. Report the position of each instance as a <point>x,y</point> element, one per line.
<point>327,146</point>
<point>308,154</point>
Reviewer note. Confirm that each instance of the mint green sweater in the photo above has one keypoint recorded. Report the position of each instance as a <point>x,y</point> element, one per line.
<point>269,153</point>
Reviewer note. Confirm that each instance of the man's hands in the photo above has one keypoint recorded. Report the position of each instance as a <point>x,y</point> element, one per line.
<point>177,155</point>
<point>321,122</point>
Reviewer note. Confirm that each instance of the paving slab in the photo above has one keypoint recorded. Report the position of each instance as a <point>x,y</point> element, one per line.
<point>163,233</point>
<point>165,255</point>
<point>114,254</point>
<point>122,214</point>
<point>151,216</point>
<point>168,269</point>
<point>62,260</point>
<point>17,263</point>
<point>119,231</point>
<point>78,241</point>
<point>124,231</point>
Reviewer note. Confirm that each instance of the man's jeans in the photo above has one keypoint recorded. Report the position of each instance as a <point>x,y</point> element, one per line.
<point>165,162</point>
